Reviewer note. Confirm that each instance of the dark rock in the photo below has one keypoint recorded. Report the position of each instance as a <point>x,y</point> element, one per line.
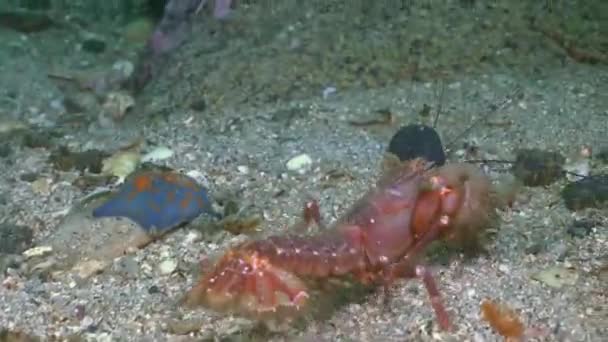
<point>417,141</point>
<point>581,228</point>
<point>25,22</point>
<point>5,150</point>
<point>28,176</point>
<point>537,167</point>
<point>153,289</point>
<point>38,140</point>
<point>602,156</point>
<point>9,261</point>
<point>14,239</point>
<point>65,160</point>
<point>94,45</point>
<point>198,105</point>
<point>535,248</point>
<point>589,192</point>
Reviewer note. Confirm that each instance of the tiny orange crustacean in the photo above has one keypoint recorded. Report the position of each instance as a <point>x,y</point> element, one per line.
<point>377,241</point>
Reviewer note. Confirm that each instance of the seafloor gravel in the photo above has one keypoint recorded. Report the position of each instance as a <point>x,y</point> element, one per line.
<point>242,149</point>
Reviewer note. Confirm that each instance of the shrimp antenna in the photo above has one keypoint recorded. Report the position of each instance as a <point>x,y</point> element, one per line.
<point>493,109</point>
<point>440,106</point>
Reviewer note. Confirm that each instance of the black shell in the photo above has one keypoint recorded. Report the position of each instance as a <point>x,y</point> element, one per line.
<point>417,141</point>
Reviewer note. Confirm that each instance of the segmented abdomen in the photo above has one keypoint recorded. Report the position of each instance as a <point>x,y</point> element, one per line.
<point>264,278</point>
<point>311,256</point>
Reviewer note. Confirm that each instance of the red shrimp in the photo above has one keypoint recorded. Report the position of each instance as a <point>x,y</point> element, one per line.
<point>375,242</point>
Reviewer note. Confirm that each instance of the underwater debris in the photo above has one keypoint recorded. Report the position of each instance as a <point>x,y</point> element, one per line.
<point>386,117</point>
<point>65,160</point>
<point>557,276</point>
<point>589,192</point>
<point>536,167</point>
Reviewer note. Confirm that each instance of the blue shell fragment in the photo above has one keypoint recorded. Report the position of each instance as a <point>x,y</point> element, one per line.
<point>158,201</point>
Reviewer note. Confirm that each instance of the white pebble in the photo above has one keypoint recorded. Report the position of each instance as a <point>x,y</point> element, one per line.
<point>157,154</point>
<point>243,169</point>
<point>193,237</point>
<point>300,163</point>
<point>167,266</point>
<point>86,322</point>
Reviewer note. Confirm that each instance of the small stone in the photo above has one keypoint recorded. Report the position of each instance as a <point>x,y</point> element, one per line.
<point>243,169</point>
<point>193,237</point>
<point>28,177</point>
<point>577,170</point>
<point>199,105</point>
<point>94,45</point>
<point>89,268</point>
<point>602,155</point>
<point>534,248</point>
<point>14,239</point>
<point>167,266</point>
<point>589,192</point>
<point>86,323</point>
<point>117,104</point>
<point>126,266</point>
<point>42,186</point>
<point>5,150</point>
<point>157,154</point>
<point>581,228</point>
<point>536,167</point>
<point>153,289</point>
<point>80,312</point>
<point>300,163</point>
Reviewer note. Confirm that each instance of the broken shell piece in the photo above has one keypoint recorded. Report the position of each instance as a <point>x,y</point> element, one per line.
<point>300,163</point>
<point>88,268</point>
<point>157,154</point>
<point>121,164</point>
<point>7,126</point>
<point>557,277</point>
<point>117,105</point>
<point>37,251</point>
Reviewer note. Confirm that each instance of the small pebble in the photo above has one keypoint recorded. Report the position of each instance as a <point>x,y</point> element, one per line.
<point>243,169</point>
<point>126,266</point>
<point>300,163</point>
<point>94,45</point>
<point>157,154</point>
<point>581,228</point>
<point>192,237</point>
<point>86,323</point>
<point>153,289</point>
<point>589,192</point>
<point>167,266</point>
<point>14,239</point>
<point>536,167</point>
